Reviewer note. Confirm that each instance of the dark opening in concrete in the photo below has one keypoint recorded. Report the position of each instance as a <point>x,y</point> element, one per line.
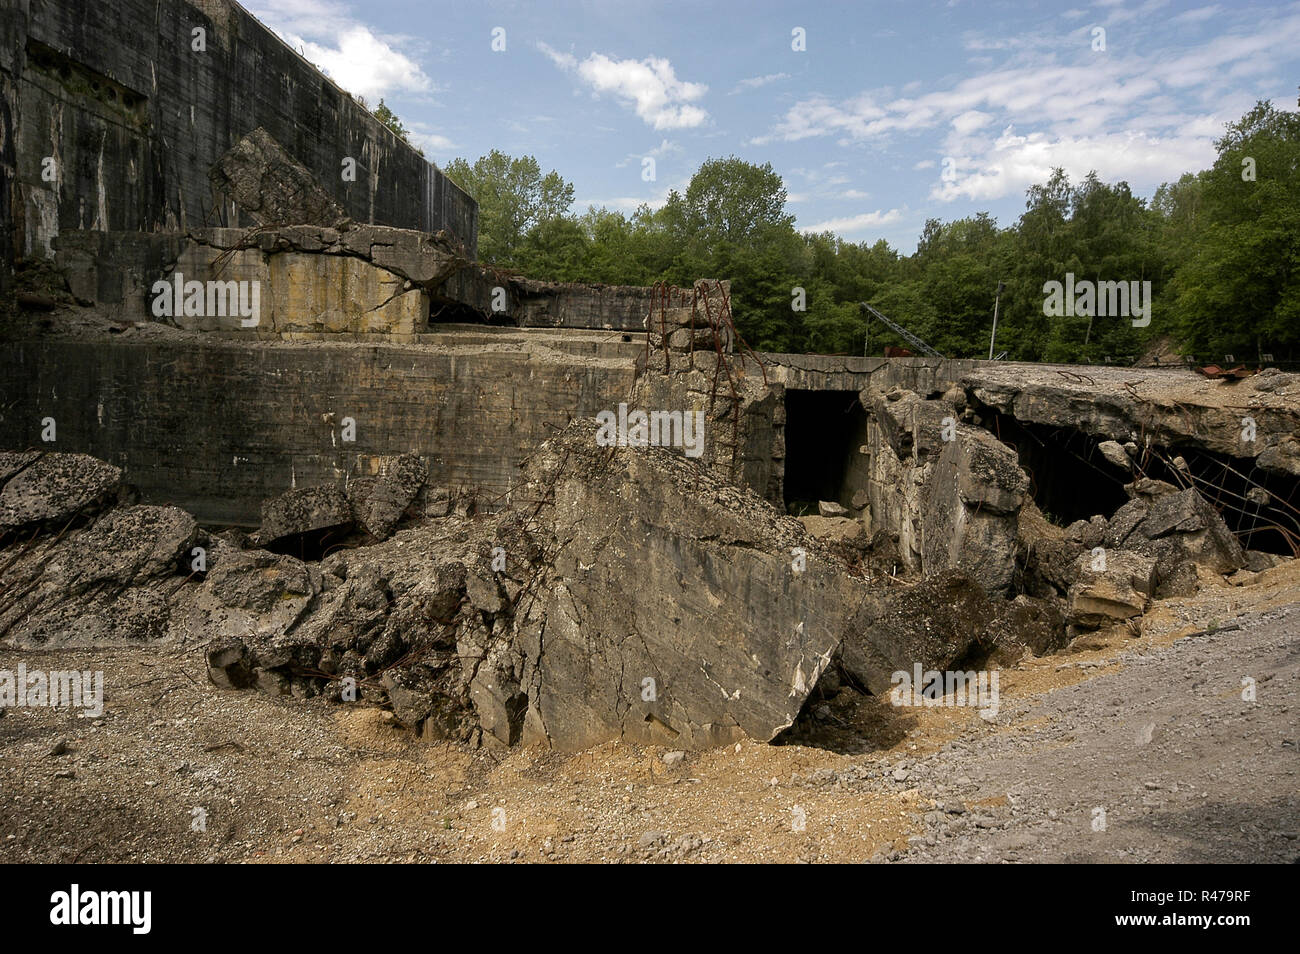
<point>1069,478</point>
<point>823,431</point>
<point>313,545</point>
<point>1262,508</point>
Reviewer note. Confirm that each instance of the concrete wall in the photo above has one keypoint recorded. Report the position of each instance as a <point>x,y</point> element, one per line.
<point>13,28</point>
<point>217,426</point>
<point>135,118</point>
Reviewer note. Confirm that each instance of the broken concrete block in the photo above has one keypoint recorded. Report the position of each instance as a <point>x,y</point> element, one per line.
<point>415,256</point>
<point>1088,533</point>
<point>300,511</point>
<point>973,498</point>
<point>725,640</point>
<point>1175,527</point>
<point>270,186</point>
<point>1282,458</point>
<point>1120,591</point>
<point>909,424</point>
<point>1115,455</point>
<point>249,594</point>
<point>935,623</point>
<point>378,503</point>
<point>53,488</point>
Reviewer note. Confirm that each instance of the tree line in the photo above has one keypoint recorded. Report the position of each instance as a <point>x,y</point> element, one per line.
<point>1220,249</point>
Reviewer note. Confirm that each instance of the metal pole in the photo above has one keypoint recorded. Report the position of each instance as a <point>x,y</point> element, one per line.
<point>993,337</point>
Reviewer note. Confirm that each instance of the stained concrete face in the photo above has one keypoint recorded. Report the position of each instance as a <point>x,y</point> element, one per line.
<point>218,426</point>
<point>134,126</point>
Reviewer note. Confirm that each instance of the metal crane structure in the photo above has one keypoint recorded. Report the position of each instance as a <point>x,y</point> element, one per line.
<point>898,329</point>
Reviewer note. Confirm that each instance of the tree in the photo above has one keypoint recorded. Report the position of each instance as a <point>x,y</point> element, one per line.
<point>557,248</point>
<point>513,197</point>
<point>1239,291</point>
<point>730,200</point>
<point>389,119</point>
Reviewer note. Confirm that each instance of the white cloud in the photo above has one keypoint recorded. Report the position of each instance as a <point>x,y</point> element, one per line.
<point>666,148</point>
<point>365,65</point>
<point>1199,15</point>
<point>1014,162</point>
<point>627,203</point>
<point>565,60</point>
<point>854,223</point>
<point>970,120</point>
<point>362,62</point>
<point>649,86</point>
<point>755,82</point>
<point>430,141</point>
<point>1143,116</point>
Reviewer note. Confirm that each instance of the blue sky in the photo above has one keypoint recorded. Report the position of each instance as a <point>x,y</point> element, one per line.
<point>894,112</point>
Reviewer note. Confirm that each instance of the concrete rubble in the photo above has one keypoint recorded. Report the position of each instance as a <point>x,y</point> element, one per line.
<point>272,187</point>
<point>618,592</point>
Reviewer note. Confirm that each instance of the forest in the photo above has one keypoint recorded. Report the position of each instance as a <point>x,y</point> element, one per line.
<point>1220,248</point>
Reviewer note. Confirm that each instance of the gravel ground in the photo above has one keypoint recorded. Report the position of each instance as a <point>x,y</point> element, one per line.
<point>1164,752</point>
<point>1153,731</point>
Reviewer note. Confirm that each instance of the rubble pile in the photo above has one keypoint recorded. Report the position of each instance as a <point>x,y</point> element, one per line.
<point>623,592</point>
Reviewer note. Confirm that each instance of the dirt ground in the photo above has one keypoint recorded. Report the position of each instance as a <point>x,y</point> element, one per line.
<point>1149,736</point>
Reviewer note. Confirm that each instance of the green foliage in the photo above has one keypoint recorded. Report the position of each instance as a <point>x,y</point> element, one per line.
<point>513,197</point>
<point>1221,255</point>
<point>389,119</point>
<point>1238,290</point>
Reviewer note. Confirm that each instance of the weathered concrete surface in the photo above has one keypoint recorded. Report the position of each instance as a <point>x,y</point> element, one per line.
<point>744,439</point>
<point>1116,590</point>
<point>943,623</point>
<point>137,117</point>
<point>1171,408</point>
<point>304,510</point>
<point>115,271</point>
<point>13,58</point>
<point>533,303</point>
<point>357,279</point>
<point>379,503</point>
<point>48,489</point>
<point>1174,527</point>
<point>217,426</point>
<point>972,507</point>
<point>306,293</point>
<point>659,570</point>
<point>273,188</point>
<point>104,584</point>
<point>950,493</point>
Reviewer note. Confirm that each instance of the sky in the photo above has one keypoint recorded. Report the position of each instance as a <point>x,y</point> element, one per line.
<point>878,115</point>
